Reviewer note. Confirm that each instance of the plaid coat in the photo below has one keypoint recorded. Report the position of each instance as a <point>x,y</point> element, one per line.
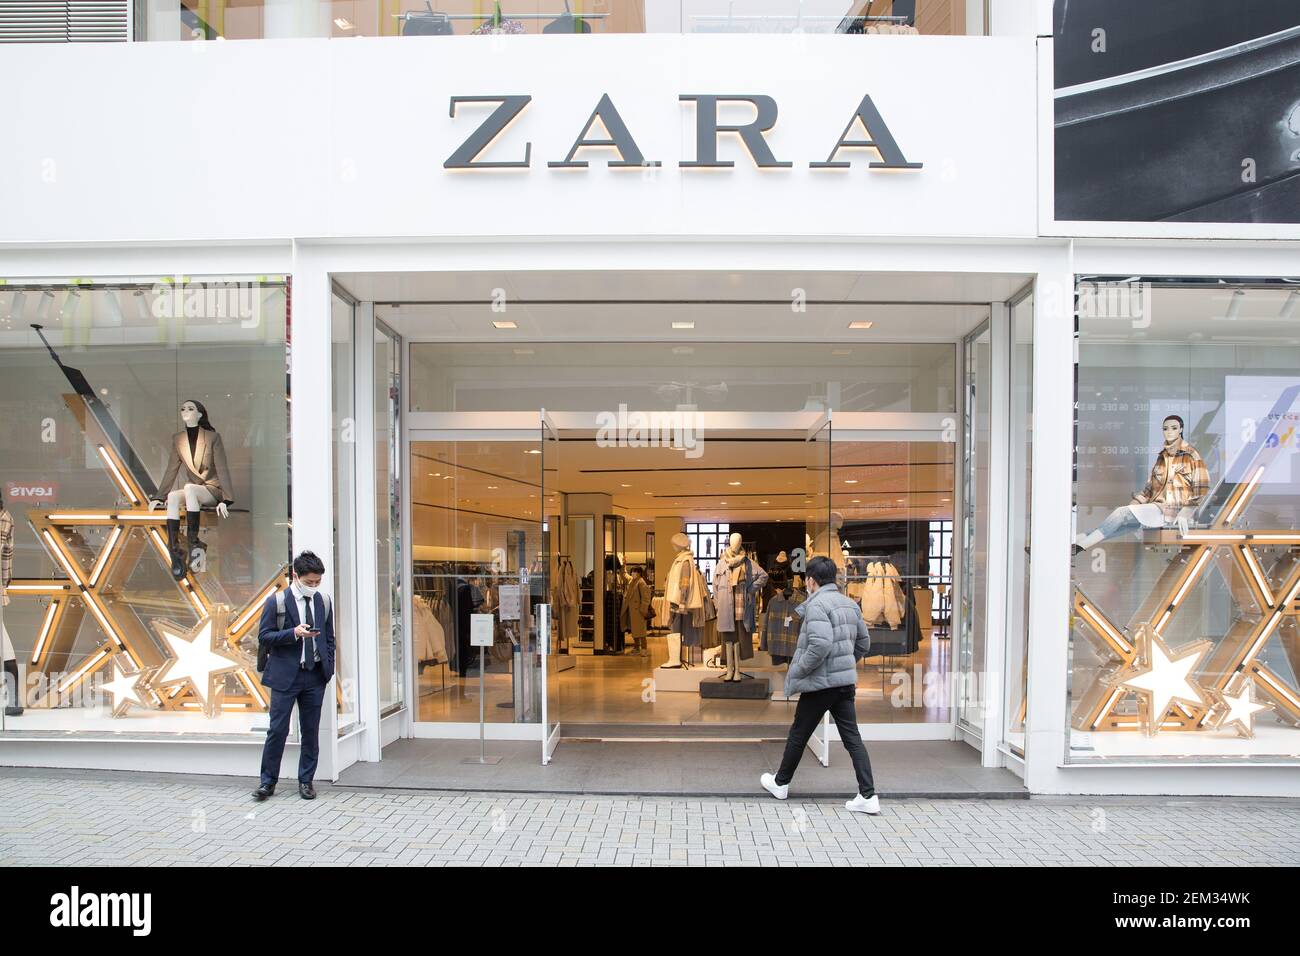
<point>6,548</point>
<point>1179,479</point>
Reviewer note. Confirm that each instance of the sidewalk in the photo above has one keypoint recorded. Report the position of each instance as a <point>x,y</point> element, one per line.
<point>94,818</point>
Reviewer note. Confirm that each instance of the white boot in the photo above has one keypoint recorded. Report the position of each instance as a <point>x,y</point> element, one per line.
<point>674,651</point>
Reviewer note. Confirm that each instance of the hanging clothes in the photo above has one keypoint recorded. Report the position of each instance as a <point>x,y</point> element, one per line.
<point>566,599</point>
<point>781,625</point>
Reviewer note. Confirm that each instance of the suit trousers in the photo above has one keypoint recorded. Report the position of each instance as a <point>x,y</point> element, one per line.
<point>808,714</point>
<point>308,692</point>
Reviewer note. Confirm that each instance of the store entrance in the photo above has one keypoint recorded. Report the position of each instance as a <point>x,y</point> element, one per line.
<point>615,528</point>
<point>571,438</point>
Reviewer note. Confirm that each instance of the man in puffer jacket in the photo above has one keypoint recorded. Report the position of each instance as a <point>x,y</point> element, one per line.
<point>823,672</point>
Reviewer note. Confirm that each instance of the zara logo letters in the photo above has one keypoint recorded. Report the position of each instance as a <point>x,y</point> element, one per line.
<point>707,128</point>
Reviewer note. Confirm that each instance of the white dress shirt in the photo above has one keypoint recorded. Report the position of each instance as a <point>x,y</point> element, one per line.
<point>302,600</point>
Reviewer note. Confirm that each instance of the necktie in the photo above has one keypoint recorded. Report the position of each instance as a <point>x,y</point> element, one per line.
<point>309,642</point>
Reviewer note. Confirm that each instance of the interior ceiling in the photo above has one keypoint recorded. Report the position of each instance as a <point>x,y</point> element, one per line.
<point>738,481</point>
<point>1203,315</point>
<point>623,305</point>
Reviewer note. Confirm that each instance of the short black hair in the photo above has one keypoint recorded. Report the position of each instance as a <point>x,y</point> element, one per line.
<point>1174,418</point>
<point>823,570</point>
<point>308,563</point>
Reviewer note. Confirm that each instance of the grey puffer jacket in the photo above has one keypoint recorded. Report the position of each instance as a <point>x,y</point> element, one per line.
<point>832,639</point>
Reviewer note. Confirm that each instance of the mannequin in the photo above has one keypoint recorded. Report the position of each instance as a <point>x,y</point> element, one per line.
<point>13,697</point>
<point>1178,483</point>
<point>736,580</point>
<point>197,475</point>
<point>684,592</point>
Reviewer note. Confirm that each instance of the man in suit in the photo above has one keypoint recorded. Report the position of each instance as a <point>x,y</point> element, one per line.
<point>298,668</point>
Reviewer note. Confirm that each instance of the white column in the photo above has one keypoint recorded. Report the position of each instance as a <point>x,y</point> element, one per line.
<point>367,599</point>
<point>1051,523</point>
<point>311,439</point>
<point>295,18</point>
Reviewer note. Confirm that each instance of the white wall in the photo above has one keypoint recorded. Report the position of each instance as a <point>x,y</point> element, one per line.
<point>324,138</point>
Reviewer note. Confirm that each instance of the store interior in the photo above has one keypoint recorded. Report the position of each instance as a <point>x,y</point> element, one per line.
<point>825,405</point>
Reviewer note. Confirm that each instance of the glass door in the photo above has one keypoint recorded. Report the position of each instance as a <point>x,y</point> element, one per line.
<point>559,590</point>
<point>974,529</point>
<point>823,523</point>
<point>478,558</point>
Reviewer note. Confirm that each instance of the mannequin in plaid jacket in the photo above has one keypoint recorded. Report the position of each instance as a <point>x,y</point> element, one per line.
<point>1178,483</point>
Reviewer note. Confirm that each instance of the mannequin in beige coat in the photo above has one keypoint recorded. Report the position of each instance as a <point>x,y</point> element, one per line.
<point>197,475</point>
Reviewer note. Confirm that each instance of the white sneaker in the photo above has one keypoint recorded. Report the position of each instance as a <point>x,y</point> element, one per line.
<point>861,804</point>
<point>775,789</point>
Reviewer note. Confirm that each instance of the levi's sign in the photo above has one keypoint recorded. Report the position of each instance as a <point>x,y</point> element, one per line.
<point>875,135</point>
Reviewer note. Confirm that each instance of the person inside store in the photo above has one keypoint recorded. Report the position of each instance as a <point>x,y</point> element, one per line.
<point>299,665</point>
<point>833,637</point>
<point>637,611</point>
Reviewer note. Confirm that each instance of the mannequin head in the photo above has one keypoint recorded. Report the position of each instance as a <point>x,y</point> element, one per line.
<point>782,557</point>
<point>1172,427</point>
<point>837,521</point>
<point>194,414</point>
<point>680,541</point>
<point>733,543</point>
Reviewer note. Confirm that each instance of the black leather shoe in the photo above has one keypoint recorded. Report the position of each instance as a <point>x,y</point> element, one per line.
<point>306,791</point>
<point>264,791</point>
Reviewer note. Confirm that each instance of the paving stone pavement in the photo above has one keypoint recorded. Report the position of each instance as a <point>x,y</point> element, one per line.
<point>91,818</point>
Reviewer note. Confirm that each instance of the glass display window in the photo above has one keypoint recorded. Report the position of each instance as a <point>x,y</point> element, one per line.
<point>1186,568</point>
<point>146,488</point>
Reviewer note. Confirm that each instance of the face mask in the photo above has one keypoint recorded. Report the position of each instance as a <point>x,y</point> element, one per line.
<point>190,418</point>
<point>306,591</point>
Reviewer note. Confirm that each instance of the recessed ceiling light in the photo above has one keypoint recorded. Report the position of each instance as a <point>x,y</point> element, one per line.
<point>343,23</point>
<point>765,502</point>
<point>856,501</point>
<point>493,487</point>
<point>860,324</point>
<point>625,486</point>
<point>683,325</point>
<point>523,351</point>
<point>647,492</point>
<point>722,502</point>
<point>850,481</point>
<point>683,350</point>
<point>841,351</point>
<point>532,451</point>
<point>733,483</point>
<point>504,324</point>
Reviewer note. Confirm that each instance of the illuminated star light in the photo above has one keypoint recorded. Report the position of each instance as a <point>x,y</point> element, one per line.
<point>129,688</point>
<point>1165,677</point>
<point>201,659</point>
<point>1238,713</point>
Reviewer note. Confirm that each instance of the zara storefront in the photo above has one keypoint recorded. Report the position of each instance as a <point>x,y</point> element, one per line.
<point>495,338</point>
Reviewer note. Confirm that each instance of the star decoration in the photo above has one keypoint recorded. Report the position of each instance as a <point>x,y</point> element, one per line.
<point>202,659</point>
<point>1237,711</point>
<point>1163,678</point>
<point>130,688</point>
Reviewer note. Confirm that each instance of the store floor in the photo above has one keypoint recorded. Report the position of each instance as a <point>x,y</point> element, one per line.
<point>929,769</point>
<point>617,689</point>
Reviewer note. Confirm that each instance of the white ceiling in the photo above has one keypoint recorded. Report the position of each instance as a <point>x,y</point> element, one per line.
<point>636,305</point>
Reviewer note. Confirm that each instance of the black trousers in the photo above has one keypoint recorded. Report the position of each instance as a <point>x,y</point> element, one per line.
<point>808,714</point>
<point>308,692</point>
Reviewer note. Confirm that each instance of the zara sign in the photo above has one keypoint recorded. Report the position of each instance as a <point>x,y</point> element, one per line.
<point>707,129</point>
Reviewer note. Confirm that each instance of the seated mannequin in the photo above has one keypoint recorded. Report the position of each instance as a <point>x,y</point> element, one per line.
<point>1179,481</point>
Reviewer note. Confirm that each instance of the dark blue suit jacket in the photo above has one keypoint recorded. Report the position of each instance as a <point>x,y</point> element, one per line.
<point>286,649</point>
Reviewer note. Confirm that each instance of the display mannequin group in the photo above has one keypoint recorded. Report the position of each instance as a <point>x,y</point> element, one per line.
<point>12,689</point>
<point>197,475</point>
<point>1178,483</point>
<point>736,582</point>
